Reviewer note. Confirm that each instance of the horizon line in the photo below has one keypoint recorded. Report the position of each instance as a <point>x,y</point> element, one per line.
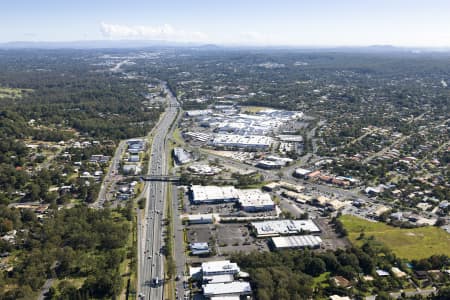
<point>230,44</point>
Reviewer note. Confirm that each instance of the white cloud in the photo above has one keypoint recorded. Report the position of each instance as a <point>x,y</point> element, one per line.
<point>261,39</point>
<point>164,32</point>
<point>253,37</point>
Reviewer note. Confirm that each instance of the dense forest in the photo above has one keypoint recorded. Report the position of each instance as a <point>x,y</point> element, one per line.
<point>69,244</point>
<point>69,90</point>
<point>294,274</point>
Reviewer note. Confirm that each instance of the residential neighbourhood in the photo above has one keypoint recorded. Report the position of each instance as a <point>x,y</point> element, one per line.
<point>284,175</point>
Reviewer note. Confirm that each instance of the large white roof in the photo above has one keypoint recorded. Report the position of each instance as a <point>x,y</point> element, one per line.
<point>242,141</point>
<point>218,278</point>
<point>254,197</point>
<point>284,227</point>
<point>212,193</point>
<point>219,266</point>
<point>235,287</point>
<point>296,241</point>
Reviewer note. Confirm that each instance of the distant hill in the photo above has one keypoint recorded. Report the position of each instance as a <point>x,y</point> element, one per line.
<point>94,44</point>
<point>129,44</point>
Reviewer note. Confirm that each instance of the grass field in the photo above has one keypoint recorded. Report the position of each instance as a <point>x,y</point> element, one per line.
<point>177,137</point>
<point>405,243</point>
<point>321,280</point>
<point>252,109</point>
<point>12,93</point>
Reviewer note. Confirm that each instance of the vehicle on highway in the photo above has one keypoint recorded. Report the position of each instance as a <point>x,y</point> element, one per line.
<point>156,281</point>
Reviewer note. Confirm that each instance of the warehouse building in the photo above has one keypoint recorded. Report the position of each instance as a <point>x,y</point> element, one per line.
<point>197,113</point>
<point>250,200</point>
<point>296,242</point>
<point>136,144</point>
<point>220,267</point>
<point>199,248</point>
<point>235,288</point>
<point>301,173</point>
<point>212,194</point>
<point>284,227</point>
<point>218,280</point>
<point>290,138</point>
<point>250,142</point>
<point>204,169</point>
<point>254,200</point>
<point>200,219</point>
<point>181,156</point>
<point>199,136</point>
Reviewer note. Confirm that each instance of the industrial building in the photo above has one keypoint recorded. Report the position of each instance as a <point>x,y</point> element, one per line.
<point>218,279</point>
<point>221,267</point>
<point>235,288</point>
<point>133,158</point>
<point>250,200</point>
<point>131,169</point>
<point>254,200</point>
<point>199,248</point>
<point>302,173</point>
<point>196,113</point>
<point>204,169</point>
<point>200,219</point>
<point>249,142</point>
<point>296,242</point>
<point>290,138</point>
<point>181,156</point>
<point>199,136</point>
<point>136,144</point>
<point>212,194</point>
<point>284,227</point>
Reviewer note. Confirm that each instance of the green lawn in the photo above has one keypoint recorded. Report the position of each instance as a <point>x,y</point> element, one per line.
<point>405,243</point>
<point>321,280</point>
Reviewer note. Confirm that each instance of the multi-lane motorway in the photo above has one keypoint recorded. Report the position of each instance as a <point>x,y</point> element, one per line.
<point>150,227</point>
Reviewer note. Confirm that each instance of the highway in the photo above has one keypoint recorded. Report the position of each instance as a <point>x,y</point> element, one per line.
<point>150,231</point>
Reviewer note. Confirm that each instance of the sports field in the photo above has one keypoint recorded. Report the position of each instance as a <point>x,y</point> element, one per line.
<point>405,243</point>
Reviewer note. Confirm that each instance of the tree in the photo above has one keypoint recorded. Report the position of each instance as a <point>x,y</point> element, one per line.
<point>383,296</point>
<point>34,192</point>
<point>443,294</point>
<point>316,267</point>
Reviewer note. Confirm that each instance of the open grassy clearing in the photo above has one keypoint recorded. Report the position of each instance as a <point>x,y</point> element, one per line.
<point>253,109</point>
<point>410,244</point>
<point>177,137</point>
<point>13,93</point>
<point>321,280</point>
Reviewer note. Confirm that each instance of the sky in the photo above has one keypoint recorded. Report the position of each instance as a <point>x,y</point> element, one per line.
<point>417,23</point>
